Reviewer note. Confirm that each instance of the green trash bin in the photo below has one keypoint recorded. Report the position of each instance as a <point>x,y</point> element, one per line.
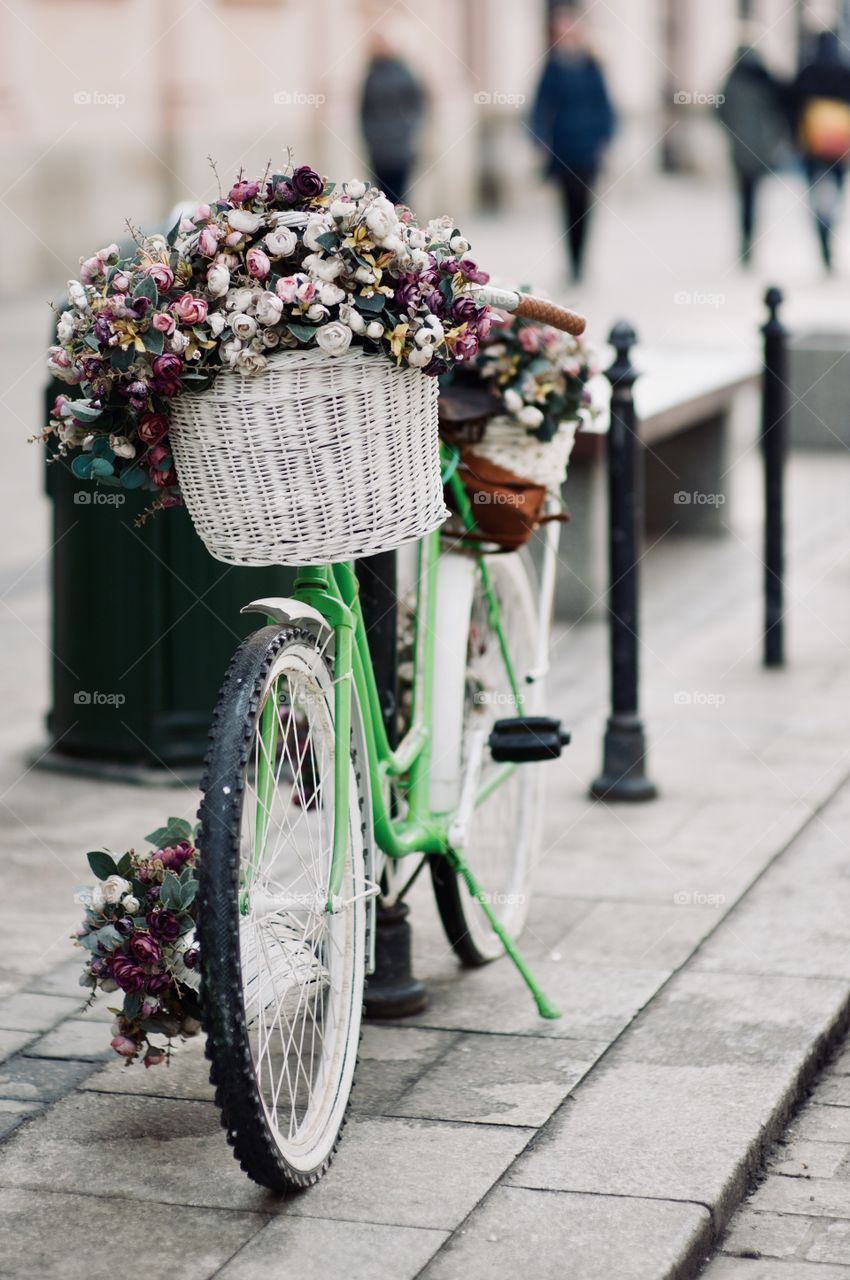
<point>144,623</point>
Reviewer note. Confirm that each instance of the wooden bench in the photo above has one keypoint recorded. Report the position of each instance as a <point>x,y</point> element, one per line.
<point>685,399</point>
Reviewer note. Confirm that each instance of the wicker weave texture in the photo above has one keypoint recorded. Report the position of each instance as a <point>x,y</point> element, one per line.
<point>314,460</point>
<point>510,446</point>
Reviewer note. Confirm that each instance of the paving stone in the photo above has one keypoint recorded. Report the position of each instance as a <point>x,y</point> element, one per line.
<point>64,980</point>
<point>414,1173</point>
<point>32,1225</point>
<point>548,1235</point>
<point>801,1159</point>
<point>10,1119</point>
<point>75,1038</point>
<point>41,1079</point>
<point>646,935</point>
<point>841,1065</point>
<point>814,1197</point>
<point>324,1249</point>
<point>187,1075</point>
<point>834,1091</point>
<point>822,1124</point>
<point>499,1080</point>
<point>769,1235</point>
<point>155,1149</point>
<point>391,1059</point>
<point>830,1243</point>
<point>32,1011</point>
<point>12,1042</point>
<point>726,1268</point>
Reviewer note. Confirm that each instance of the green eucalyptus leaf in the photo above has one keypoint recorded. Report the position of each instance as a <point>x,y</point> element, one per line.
<point>170,893</point>
<point>132,477</point>
<point>146,288</point>
<point>303,332</point>
<point>372,305</point>
<point>84,411</point>
<point>81,466</point>
<point>174,232</point>
<point>102,864</point>
<point>154,341</point>
<point>328,240</point>
<point>109,937</point>
<point>101,467</point>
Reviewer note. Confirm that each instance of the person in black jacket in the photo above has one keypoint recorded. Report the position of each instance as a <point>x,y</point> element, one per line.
<point>392,106</point>
<point>821,96</point>
<point>753,108</point>
<point>572,123</point>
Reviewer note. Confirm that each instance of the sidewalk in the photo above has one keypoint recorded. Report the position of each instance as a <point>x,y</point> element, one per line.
<point>696,945</point>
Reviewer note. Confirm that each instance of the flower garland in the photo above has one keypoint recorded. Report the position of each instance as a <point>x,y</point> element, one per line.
<point>139,933</point>
<point>292,261</point>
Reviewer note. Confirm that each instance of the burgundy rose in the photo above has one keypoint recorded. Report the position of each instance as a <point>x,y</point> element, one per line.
<point>465,346</point>
<point>152,428</point>
<point>165,479</point>
<point>124,926</point>
<point>436,367</point>
<point>464,311</point>
<point>435,302</point>
<point>102,331</point>
<point>127,974</point>
<point>145,949</point>
<point>167,372</point>
<point>483,323</point>
<point>174,857</point>
<point>306,182</point>
<point>192,957</point>
<point>158,983</point>
<point>407,293</point>
<point>241,192</point>
<point>164,925</point>
<point>283,192</point>
<point>467,269</point>
<point>139,306</point>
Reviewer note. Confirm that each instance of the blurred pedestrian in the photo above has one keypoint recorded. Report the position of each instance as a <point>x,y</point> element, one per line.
<point>572,123</point>
<point>754,109</point>
<point>392,106</point>
<point>822,103</point>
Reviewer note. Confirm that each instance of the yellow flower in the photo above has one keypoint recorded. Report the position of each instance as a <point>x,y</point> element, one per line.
<point>397,338</point>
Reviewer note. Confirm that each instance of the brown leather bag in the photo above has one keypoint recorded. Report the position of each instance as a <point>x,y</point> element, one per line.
<point>507,509</point>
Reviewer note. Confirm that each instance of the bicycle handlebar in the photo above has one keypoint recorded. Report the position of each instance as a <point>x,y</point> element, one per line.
<point>525,304</point>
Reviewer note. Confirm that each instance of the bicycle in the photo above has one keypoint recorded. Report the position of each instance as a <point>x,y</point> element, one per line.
<point>305,802</point>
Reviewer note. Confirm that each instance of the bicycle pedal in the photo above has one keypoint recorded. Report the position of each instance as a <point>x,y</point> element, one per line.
<point>527,738</point>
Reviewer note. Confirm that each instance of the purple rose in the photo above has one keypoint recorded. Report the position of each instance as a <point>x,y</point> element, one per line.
<point>483,323</point>
<point>283,192</point>
<point>241,192</point>
<point>307,183</point>
<point>125,926</point>
<point>127,974</point>
<point>167,372</point>
<point>464,311</point>
<point>164,925</point>
<point>145,950</point>
<point>192,957</point>
<point>407,293</point>
<point>139,306</point>
<point>175,857</point>
<point>102,331</point>
<point>435,302</point>
<point>467,269</point>
<point>465,346</point>
<point>137,393</point>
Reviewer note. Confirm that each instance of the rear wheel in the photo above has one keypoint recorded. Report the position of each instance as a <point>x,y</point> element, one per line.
<point>504,830</point>
<point>282,977</point>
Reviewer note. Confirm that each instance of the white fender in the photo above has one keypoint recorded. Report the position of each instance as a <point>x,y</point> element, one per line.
<point>284,609</point>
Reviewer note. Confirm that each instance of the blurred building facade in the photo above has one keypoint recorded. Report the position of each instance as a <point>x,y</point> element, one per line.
<point>109,108</point>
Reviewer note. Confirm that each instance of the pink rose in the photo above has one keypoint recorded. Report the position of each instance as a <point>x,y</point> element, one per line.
<point>258,264</point>
<point>208,241</point>
<point>124,1045</point>
<point>120,282</point>
<point>305,291</point>
<point>189,309</point>
<point>202,214</point>
<point>162,276</point>
<point>152,428</point>
<point>241,192</point>
<point>286,288</point>
<point>163,323</point>
<point>529,340</point>
<point>234,238</point>
<point>153,1058</point>
<point>91,269</point>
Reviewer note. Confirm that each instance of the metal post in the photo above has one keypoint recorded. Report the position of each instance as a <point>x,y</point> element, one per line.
<point>774,446</point>
<point>392,991</point>
<point>623,774</point>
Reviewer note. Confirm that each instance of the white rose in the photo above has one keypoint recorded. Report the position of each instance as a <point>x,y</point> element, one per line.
<point>315,227</point>
<point>66,328</point>
<point>130,904</point>
<point>436,327</point>
<point>270,338</point>
<point>244,327</point>
<point>374,329</point>
<point>513,401</point>
<point>419,357</point>
<point>439,230</point>
<point>248,362</point>
<point>381,222</point>
<point>458,245</point>
<point>218,280</point>
<point>121,447</point>
<point>240,299</point>
<point>242,220</point>
<point>178,342</point>
<point>530,417</point>
<point>424,336</point>
<point>114,888</point>
<point>324,268</point>
<point>77,295</point>
<point>330,294</point>
<point>316,313</point>
<point>281,243</point>
<point>355,188</point>
<point>351,316</point>
<point>342,210</point>
<point>334,339</point>
<point>216,323</point>
<point>269,308</point>
<point>230,352</point>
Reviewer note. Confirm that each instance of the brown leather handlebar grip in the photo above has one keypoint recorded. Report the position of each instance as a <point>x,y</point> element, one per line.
<point>550,313</point>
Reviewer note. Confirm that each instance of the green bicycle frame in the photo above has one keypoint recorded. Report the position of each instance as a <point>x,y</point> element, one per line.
<point>333,591</point>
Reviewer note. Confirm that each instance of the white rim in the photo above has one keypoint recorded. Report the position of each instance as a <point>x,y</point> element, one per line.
<point>302,968</point>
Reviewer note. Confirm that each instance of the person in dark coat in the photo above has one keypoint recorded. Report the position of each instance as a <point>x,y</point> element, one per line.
<point>572,123</point>
<point>822,105</point>
<point>392,106</point>
<point>753,108</point>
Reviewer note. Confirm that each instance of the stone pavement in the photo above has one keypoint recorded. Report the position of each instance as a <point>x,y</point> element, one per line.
<point>697,945</point>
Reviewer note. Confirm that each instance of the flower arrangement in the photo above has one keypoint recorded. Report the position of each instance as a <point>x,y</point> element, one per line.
<point>139,933</point>
<point>292,260</point>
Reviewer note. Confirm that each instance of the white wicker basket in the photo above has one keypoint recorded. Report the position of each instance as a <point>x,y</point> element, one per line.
<point>509,445</point>
<point>314,460</point>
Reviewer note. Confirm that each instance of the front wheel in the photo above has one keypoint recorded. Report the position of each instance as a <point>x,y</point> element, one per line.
<point>282,977</point>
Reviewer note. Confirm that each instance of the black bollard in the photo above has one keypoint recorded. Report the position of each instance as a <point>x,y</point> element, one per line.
<point>392,991</point>
<point>774,447</point>
<point>623,774</point>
